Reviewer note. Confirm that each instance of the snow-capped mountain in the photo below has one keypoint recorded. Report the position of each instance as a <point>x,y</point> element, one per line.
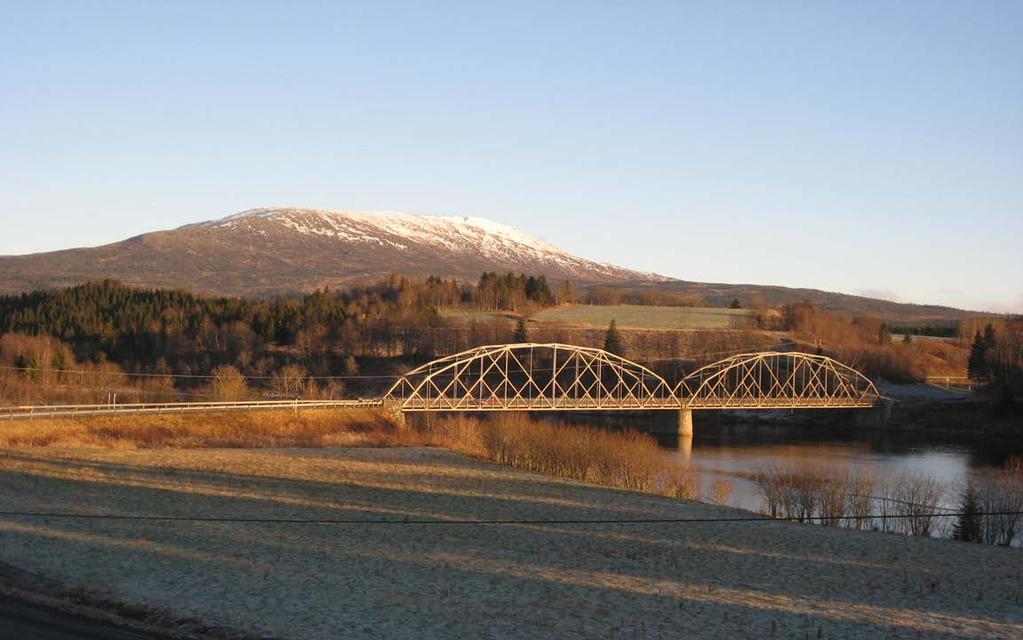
<point>284,250</point>
<point>265,252</point>
<point>410,233</point>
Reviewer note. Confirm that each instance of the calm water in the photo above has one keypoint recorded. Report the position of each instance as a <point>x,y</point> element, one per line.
<point>735,450</point>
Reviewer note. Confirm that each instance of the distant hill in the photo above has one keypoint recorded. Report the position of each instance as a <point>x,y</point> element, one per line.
<point>267,252</point>
<point>721,295</point>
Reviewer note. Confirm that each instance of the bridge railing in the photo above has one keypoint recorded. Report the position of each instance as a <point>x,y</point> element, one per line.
<point>72,410</point>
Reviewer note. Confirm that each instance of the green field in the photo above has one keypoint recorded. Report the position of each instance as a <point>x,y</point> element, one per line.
<point>646,317</point>
<point>628,316</point>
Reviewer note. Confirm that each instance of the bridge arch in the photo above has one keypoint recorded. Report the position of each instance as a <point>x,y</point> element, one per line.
<point>531,376</point>
<point>776,380</point>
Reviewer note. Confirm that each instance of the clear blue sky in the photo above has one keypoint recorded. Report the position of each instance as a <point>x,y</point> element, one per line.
<point>871,147</point>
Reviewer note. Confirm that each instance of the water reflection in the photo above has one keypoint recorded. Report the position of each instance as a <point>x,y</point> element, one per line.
<point>738,451</point>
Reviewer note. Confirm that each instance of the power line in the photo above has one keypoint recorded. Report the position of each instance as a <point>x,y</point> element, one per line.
<point>488,522</point>
<point>205,376</point>
<point>209,376</point>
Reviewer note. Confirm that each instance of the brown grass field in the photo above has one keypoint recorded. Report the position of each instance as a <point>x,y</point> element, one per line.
<point>627,460</point>
<point>284,428</point>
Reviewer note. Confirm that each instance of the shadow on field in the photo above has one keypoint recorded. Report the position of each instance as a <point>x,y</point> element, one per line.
<point>413,580</point>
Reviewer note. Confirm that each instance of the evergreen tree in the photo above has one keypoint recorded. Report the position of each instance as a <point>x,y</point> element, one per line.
<point>521,332</point>
<point>613,340</point>
<point>566,293</point>
<point>977,365</point>
<point>967,525</point>
<point>735,304</point>
<point>884,335</point>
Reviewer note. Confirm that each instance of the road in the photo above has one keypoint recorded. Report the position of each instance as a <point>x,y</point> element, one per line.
<point>72,410</point>
<point>21,620</point>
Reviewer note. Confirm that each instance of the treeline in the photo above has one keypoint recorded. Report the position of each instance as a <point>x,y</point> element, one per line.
<point>610,296</point>
<point>943,330</point>
<point>161,342</point>
<point>176,331</point>
<point>158,343</point>
<point>988,349</point>
<point>996,355</point>
<point>868,344</point>
<point>90,342</point>
<point>512,292</point>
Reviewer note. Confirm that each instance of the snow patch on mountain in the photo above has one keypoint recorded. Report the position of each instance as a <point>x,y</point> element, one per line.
<point>448,231</point>
<point>403,231</point>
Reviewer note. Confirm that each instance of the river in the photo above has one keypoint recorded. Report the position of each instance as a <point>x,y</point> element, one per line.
<point>737,451</point>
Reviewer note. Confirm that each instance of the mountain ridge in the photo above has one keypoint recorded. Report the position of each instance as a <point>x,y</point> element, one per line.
<point>286,250</point>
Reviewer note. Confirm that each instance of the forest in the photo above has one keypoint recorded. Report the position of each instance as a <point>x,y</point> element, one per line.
<point>87,342</point>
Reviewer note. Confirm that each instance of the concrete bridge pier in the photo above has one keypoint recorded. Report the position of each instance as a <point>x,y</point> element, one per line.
<point>685,422</point>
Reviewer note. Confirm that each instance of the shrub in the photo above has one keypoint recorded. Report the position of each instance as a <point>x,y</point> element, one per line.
<point>806,492</point>
<point>228,384</point>
<point>1000,493</point>
<point>626,459</point>
<point>916,498</point>
<point>721,489</point>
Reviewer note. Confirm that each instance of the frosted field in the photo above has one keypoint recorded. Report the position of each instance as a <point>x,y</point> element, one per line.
<point>708,580</point>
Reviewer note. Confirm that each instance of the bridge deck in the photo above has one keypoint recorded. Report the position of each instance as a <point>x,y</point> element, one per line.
<point>612,405</point>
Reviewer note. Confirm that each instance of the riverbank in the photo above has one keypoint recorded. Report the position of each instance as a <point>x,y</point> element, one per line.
<point>953,416</point>
<point>646,580</point>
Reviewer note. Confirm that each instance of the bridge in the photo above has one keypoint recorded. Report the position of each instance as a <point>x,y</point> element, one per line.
<point>562,377</point>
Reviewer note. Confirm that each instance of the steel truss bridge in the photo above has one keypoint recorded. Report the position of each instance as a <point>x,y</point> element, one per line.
<point>562,377</point>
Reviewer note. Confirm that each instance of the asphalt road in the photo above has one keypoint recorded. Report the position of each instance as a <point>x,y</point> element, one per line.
<point>20,620</point>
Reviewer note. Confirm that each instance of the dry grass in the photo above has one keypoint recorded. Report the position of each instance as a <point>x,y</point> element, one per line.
<point>721,489</point>
<point>905,503</point>
<point>999,491</point>
<point>312,428</point>
<point>626,459</point>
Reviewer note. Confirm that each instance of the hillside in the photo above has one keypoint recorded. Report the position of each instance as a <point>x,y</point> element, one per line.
<point>269,252</point>
<point>266,252</point>
<point>722,294</point>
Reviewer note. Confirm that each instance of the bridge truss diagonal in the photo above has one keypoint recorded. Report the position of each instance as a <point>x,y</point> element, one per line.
<point>777,380</point>
<point>531,376</point>
<point>561,377</point>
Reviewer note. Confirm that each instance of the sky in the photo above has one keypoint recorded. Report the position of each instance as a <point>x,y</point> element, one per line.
<point>866,147</point>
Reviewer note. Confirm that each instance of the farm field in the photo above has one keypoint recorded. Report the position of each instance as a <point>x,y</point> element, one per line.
<point>462,580</point>
<point>631,316</point>
<point>627,316</point>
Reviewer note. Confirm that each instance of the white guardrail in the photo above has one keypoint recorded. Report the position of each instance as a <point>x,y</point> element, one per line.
<point>948,382</point>
<point>70,410</point>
